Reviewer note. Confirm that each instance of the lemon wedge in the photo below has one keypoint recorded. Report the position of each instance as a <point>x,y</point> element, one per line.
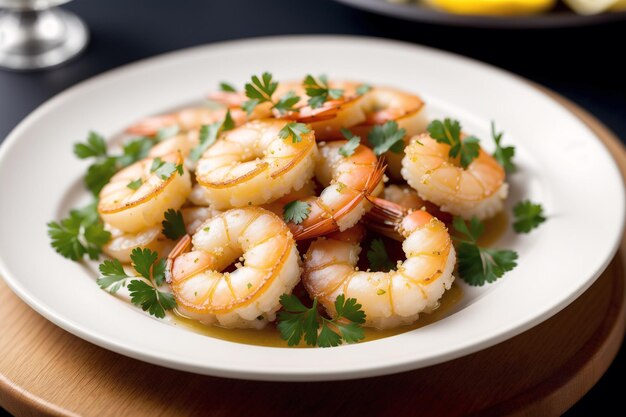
<point>493,7</point>
<point>592,6</point>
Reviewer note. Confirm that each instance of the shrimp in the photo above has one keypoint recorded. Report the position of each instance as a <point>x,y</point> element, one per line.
<point>194,217</point>
<point>253,165</point>
<point>182,142</point>
<point>191,118</point>
<point>349,182</point>
<point>479,190</point>
<point>407,197</point>
<point>135,210</point>
<point>249,296</point>
<point>383,104</point>
<point>122,244</point>
<point>393,298</point>
<point>326,120</point>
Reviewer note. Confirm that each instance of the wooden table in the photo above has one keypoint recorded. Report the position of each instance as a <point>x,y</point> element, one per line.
<point>541,372</point>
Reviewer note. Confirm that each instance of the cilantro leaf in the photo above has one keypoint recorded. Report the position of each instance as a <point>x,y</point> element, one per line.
<point>296,322</point>
<point>134,150</point>
<point>528,216</point>
<point>134,185</point>
<point>387,137</point>
<point>319,91</point>
<point>378,257</point>
<point>349,309</point>
<point>353,142</point>
<point>294,130</point>
<point>173,225</point>
<point>504,155</point>
<point>228,123</point>
<point>296,211</point>
<point>328,338</point>
<point>81,233</point>
<point>158,272</point>
<point>163,169</point>
<point>167,132</point>
<point>99,174</point>
<point>260,90</point>
<point>449,132</point>
<point>363,88</point>
<point>150,299</point>
<point>250,105</point>
<point>113,275</point>
<point>227,87</point>
<point>478,265</point>
<point>209,134</point>
<point>94,147</point>
<point>287,103</point>
<point>143,260</point>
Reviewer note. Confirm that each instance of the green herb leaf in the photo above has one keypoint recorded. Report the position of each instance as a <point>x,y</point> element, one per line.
<point>94,147</point>
<point>143,260</point>
<point>296,211</point>
<point>227,87</point>
<point>167,132</point>
<point>294,130</point>
<point>504,155</point>
<point>158,272</point>
<point>296,322</point>
<point>528,216</point>
<point>378,257</point>
<point>363,88</point>
<point>387,137</point>
<point>250,105</point>
<point>261,89</point>
<point>478,265</point>
<point>173,225</point>
<point>228,123</point>
<point>449,132</point>
<point>353,143</point>
<point>134,151</point>
<point>99,174</point>
<point>287,103</point>
<point>134,185</point>
<point>319,91</point>
<point>113,275</point>
<point>150,299</point>
<point>81,233</point>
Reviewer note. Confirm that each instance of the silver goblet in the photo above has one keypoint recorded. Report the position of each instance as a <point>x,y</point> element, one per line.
<point>35,34</point>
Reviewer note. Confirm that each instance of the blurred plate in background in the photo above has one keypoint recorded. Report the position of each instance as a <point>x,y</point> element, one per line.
<point>559,17</point>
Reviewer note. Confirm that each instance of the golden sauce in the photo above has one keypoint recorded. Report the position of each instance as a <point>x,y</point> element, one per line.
<point>269,336</point>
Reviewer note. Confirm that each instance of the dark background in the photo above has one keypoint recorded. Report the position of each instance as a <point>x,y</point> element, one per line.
<point>584,64</point>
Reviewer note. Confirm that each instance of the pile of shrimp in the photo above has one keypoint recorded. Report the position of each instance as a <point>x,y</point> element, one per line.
<point>240,254</point>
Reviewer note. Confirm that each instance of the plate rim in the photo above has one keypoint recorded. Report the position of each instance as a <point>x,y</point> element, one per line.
<point>406,364</point>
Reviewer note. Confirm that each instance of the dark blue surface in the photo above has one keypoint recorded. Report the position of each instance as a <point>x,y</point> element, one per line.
<point>583,64</point>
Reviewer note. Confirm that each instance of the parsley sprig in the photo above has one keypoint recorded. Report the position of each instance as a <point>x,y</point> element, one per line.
<point>478,265</point>
<point>209,134</point>
<point>387,137</point>
<point>173,224</point>
<point>81,233</point>
<point>105,165</point>
<point>503,154</point>
<point>143,292</point>
<point>353,142</point>
<point>294,130</point>
<point>296,211</point>
<point>319,90</point>
<point>260,90</point>
<point>378,257</point>
<point>449,132</point>
<point>296,321</point>
<point>528,216</point>
<point>163,169</point>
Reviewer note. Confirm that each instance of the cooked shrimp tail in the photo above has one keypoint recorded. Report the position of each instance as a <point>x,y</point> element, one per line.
<point>331,222</point>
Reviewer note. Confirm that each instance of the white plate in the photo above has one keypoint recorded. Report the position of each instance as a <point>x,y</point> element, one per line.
<point>562,165</point>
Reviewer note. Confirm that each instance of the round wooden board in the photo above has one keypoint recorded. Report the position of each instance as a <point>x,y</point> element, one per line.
<point>543,371</point>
